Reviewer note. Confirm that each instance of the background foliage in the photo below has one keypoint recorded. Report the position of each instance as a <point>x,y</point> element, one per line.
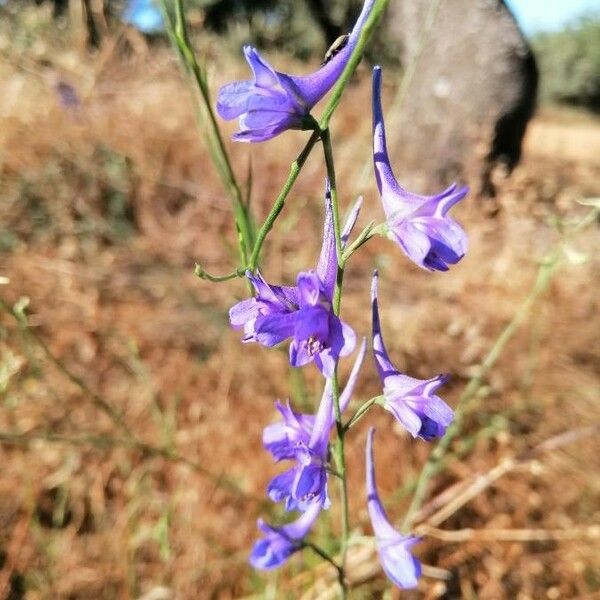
<point>569,62</point>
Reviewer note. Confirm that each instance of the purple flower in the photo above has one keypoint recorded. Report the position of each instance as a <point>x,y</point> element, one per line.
<point>269,300</point>
<point>279,543</point>
<point>412,401</point>
<point>393,548</point>
<point>418,224</point>
<point>282,439</point>
<point>272,101</point>
<point>67,96</point>
<point>303,312</point>
<point>306,482</point>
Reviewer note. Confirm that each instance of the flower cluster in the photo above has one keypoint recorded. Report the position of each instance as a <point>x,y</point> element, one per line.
<point>308,316</point>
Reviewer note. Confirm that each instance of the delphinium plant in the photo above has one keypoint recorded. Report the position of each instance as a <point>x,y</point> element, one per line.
<point>307,315</point>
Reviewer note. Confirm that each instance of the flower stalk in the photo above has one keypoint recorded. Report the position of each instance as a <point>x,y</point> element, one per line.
<point>178,34</point>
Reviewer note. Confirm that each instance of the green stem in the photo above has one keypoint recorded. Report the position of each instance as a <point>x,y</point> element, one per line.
<point>202,274</point>
<point>334,100</point>
<point>355,57</point>
<point>361,412</point>
<point>96,399</point>
<point>218,152</point>
<point>281,198</point>
<point>325,556</point>
<point>365,235</point>
<point>432,466</point>
<point>328,151</point>
<point>339,449</point>
<point>340,459</point>
<point>129,439</point>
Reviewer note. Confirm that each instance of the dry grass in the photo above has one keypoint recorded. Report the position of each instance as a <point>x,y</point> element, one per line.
<point>104,213</point>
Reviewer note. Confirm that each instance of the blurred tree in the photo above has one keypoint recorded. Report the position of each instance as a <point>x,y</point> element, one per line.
<point>570,63</point>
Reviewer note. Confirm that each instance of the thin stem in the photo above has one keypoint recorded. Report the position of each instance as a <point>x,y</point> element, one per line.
<point>281,198</point>
<point>130,440</point>
<point>96,399</point>
<point>337,297</point>
<point>432,466</point>
<point>218,152</point>
<point>202,274</point>
<point>325,556</point>
<point>365,235</point>
<point>339,453</point>
<point>337,228</point>
<point>361,412</point>
<point>355,57</point>
<point>323,124</point>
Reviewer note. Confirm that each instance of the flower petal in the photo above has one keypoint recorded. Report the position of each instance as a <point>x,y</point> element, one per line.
<point>407,417</point>
<point>379,521</point>
<point>399,564</point>
<point>385,367</point>
<point>274,328</point>
<point>328,259</point>
<point>281,542</point>
<point>351,221</point>
<point>265,75</point>
<point>309,289</point>
<point>282,485</point>
<point>323,422</point>
<point>393,548</point>
<point>242,312</point>
<point>346,395</point>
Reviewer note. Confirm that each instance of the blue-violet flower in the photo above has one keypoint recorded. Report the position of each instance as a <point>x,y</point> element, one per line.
<point>279,543</point>
<point>306,482</point>
<point>281,439</point>
<point>272,101</point>
<point>393,547</point>
<point>303,312</point>
<point>412,401</point>
<point>418,224</point>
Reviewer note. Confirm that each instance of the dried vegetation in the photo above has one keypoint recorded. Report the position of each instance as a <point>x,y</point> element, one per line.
<point>104,210</point>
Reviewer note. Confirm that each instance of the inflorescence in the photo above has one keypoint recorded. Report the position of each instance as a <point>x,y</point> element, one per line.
<point>307,314</point>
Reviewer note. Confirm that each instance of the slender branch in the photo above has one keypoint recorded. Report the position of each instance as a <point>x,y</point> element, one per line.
<point>130,440</point>
<point>202,274</point>
<point>361,412</point>
<point>97,400</point>
<point>323,124</point>
<point>325,556</point>
<point>353,61</point>
<point>329,163</point>
<point>484,480</point>
<point>544,276</point>
<point>457,536</point>
<point>365,235</point>
<point>337,296</point>
<point>281,198</point>
<point>218,152</point>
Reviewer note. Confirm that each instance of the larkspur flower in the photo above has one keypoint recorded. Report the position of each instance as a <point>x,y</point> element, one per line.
<point>305,483</point>
<point>144,15</point>
<point>393,547</point>
<point>279,543</point>
<point>282,438</point>
<point>418,224</point>
<point>412,401</point>
<point>303,312</point>
<point>273,101</point>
